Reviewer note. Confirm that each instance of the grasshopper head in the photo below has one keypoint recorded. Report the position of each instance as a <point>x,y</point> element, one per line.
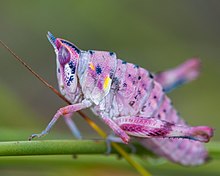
<point>67,56</point>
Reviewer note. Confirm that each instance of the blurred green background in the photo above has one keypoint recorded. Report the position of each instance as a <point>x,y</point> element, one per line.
<point>156,35</point>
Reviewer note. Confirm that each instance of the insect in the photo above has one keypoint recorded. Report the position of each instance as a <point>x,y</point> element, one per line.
<point>130,100</point>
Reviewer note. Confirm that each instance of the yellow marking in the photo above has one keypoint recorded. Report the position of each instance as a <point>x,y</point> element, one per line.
<point>92,66</point>
<point>106,82</point>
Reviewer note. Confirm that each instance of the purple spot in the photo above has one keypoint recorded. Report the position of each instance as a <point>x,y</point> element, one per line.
<point>143,108</point>
<point>99,85</point>
<point>124,85</point>
<point>131,103</point>
<point>63,55</point>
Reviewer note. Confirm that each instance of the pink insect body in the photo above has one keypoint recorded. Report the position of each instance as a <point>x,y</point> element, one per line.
<point>130,100</point>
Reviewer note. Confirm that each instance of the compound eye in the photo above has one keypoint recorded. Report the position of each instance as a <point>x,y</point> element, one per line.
<point>63,55</point>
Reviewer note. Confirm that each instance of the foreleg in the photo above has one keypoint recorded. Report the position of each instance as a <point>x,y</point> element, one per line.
<point>155,128</point>
<point>177,76</point>
<point>70,109</point>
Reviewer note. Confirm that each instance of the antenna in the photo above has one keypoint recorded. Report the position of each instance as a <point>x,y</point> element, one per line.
<point>88,120</point>
<point>34,73</point>
<point>44,81</point>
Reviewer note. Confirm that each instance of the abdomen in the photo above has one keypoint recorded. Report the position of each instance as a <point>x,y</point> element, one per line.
<point>182,151</point>
<point>135,93</point>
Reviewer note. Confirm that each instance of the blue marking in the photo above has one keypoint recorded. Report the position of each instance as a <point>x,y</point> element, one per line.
<point>124,62</point>
<point>175,85</point>
<point>136,66</point>
<point>151,76</point>
<point>51,36</point>
<point>51,39</point>
<point>111,74</point>
<point>70,80</point>
<point>111,53</point>
<point>71,45</point>
<point>91,52</point>
<point>72,67</point>
<point>187,137</point>
<point>98,70</point>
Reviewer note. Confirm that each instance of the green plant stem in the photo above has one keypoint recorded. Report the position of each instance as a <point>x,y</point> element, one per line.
<point>78,147</point>
<point>58,147</point>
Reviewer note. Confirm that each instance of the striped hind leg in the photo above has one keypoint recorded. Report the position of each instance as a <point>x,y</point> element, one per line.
<point>117,130</point>
<point>155,128</point>
<point>179,75</point>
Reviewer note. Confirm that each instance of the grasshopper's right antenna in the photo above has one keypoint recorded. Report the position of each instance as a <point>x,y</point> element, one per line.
<point>34,73</point>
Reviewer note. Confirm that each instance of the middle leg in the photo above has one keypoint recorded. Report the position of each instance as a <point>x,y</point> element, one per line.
<point>72,126</point>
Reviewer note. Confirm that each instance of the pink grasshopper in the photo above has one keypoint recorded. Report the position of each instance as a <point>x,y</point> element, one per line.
<point>129,99</point>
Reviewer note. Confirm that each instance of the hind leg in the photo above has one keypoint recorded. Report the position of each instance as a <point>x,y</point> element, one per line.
<point>155,128</point>
<point>177,76</point>
<point>119,137</point>
<point>117,130</point>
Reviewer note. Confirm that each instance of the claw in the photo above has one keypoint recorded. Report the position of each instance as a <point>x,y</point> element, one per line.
<point>113,138</point>
<point>36,135</point>
<point>109,139</point>
<point>32,137</point>
<point>109,147</point>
